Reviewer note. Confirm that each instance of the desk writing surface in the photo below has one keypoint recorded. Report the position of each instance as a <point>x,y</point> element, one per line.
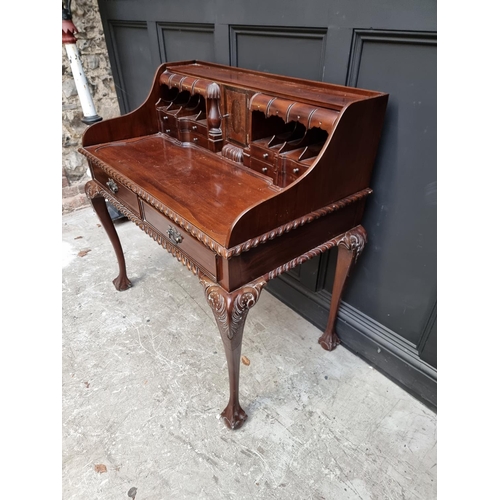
<point>207,190</point>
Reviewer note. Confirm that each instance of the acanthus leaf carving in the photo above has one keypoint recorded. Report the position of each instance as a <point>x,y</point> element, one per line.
<point>354,240</point>
<point>92,189</point>
<point>231,308</point>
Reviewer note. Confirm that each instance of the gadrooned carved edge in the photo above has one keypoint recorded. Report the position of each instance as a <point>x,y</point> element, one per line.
<point>270,235</point>
<point>354,240</point>
<point>226,253</point>
<point>231,308</point>
<point>92,189</point>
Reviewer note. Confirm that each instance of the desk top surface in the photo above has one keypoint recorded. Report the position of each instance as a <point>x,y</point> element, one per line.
<point>205,189</point>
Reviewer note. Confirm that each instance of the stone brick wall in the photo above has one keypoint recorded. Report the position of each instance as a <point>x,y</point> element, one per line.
<point>95,60</point>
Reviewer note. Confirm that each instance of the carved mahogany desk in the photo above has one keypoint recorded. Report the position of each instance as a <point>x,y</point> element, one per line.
<point>242,176</point>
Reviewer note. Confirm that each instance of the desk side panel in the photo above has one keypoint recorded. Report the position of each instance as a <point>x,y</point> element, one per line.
<point>247,266</point>
<point>140,122</point>
<point>344,168</point>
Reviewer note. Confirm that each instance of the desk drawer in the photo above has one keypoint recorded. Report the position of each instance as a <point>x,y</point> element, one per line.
<point>117,189</point>
<point>264,168</point>
<point>290,170</point>
<point>189,245</point>
<point>193,126</point>
<point>262,153</point>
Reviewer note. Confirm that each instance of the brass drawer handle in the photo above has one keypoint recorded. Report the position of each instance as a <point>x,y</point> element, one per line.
<point>195,127</point>
<point>174,236</point>
<point>264,169</point>
<point>112,185</point>
<point>265,155</point>
<point>195,139</point>
<point>295,170</point>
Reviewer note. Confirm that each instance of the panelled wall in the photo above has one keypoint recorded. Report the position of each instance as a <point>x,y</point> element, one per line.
<point>388,315</point>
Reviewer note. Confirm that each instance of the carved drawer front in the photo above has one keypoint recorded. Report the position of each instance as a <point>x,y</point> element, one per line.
<point>117,189</point>
<point>189,245</point>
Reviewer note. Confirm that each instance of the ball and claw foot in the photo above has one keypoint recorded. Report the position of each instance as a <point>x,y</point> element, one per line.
<point>329,341</point>
<point>122,283</point>
<point>234,416</point>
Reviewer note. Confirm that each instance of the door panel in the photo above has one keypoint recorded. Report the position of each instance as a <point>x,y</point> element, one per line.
<point>180,42</point>
<point>395,280</point>
<point>291,52</point>
<point>131,49</point>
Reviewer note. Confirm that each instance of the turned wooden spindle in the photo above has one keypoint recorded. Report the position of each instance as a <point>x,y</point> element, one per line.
<point>214,118</point>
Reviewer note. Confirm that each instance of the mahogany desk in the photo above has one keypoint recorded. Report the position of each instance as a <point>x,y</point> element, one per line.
<point>242,176</point>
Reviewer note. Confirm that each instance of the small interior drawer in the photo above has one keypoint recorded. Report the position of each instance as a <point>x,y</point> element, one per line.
<point>262,153</point>
<point>264,168</point>
<point>193,137</point>
<point>291,171</point>
<point>193,126</point>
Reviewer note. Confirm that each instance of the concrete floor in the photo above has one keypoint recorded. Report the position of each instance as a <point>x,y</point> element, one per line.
<point>144,380</point>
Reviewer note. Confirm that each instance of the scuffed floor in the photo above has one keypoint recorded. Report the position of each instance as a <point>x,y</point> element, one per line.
<point>145,378</point>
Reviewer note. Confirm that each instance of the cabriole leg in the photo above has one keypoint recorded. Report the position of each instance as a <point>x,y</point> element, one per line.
<point>92,190</point>
<point>350,247</point>
<point>230,310</point>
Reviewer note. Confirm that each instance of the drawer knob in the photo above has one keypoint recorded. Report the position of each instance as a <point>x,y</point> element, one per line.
<point>195,127</point>
<point>174,236</point>
<point>165,117</point>
<point>167,131</point>
<point>195,139</point>
<point>265,155</point>
<point>264,169</point>
<point>112,185</point>
<point>295,170</point>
